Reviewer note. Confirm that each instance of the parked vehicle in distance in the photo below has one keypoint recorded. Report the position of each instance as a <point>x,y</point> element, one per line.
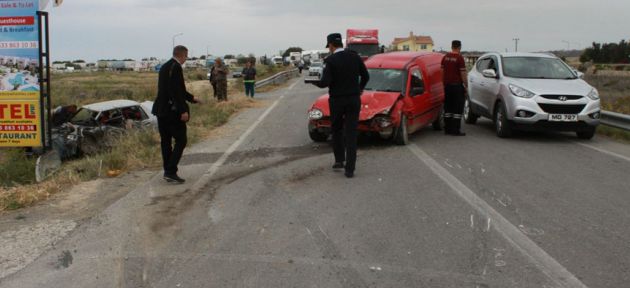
<point>531,91</point>
<point>405,94</point>
<point>295,57</point>
<point>277,60</point>
<point>237,72</point>
<point>315,71</point>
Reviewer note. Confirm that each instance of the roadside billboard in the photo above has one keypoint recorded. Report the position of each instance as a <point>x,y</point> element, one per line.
<point>20,105</point>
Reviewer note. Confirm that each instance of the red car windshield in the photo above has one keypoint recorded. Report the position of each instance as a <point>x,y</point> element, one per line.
<point>387,80</point>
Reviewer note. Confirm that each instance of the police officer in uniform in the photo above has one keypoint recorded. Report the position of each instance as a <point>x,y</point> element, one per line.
<point>455,79</point>
<point>345,75</point>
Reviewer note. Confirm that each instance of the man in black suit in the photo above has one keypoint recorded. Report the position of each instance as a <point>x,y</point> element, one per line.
<point>173,112</point>
<point>345,75</point>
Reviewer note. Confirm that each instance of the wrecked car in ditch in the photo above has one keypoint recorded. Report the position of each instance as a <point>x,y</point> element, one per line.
<point>97,126</point>
<point>92,129</point>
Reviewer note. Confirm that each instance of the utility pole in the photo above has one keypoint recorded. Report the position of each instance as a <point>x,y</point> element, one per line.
<point>516,44</point>
<point>568,44</point>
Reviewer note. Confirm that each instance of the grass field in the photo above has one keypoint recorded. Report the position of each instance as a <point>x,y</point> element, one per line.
<point>614,91</point>
<point>138,150</point>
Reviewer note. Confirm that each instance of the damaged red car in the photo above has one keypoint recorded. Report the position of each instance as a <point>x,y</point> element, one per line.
<point>404,95</point>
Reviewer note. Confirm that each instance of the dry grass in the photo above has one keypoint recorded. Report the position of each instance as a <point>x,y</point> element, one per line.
<point>614,91</point>
<point>85,88</point>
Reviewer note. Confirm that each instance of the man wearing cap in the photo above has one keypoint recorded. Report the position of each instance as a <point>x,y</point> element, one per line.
<point>345,75</point>
<point>455,79</point>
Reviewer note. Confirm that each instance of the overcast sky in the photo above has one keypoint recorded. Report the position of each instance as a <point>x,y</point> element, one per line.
<point>93,30</point>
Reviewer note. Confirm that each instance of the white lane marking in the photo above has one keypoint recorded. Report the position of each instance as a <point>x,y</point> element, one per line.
<point>206,177</point>
<point>609,153</point>
<point>547,265</point>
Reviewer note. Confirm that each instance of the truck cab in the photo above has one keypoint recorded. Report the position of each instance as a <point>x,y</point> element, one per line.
<point>363,41</point>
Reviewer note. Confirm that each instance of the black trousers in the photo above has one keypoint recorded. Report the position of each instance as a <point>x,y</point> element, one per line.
<point>214,88</point>
<point>344,112</point>
<point>455,97</point>
<point>172,128</point>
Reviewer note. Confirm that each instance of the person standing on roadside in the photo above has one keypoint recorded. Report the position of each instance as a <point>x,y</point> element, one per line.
<point>455,79</point>
<point>220,76</point>
<point>213,82</point>
<point>173,112</point>
<point>345,75</point>
<point>249,79</point>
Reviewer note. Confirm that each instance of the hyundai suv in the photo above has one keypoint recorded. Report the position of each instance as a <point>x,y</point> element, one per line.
<point>531,91</point>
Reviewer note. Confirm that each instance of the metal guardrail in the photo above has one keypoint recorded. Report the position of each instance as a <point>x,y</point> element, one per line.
<point>278,78</point>
<point>617,120</point>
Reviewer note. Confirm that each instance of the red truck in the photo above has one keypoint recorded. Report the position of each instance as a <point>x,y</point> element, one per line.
<point>404,95</point>
<point>363,41</point>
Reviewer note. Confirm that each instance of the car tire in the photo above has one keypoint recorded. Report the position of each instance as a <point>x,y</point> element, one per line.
<point>401,137</point>
<point>316,135</point>
<point>438,123</point>
<point>502,125</point>
<point>469,116</point>
<point>587,135</point>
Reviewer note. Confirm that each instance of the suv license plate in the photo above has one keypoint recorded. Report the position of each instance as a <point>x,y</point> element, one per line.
<point>563,117</point>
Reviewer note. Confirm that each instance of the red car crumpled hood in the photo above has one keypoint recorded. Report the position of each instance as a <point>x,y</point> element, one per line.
<point>372,103</point>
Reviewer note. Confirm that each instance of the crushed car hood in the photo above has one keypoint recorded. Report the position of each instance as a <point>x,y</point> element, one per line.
<point>372,103</point>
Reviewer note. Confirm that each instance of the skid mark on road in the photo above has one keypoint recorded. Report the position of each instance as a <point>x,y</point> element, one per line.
<point>207,176</point>
<point>547,265</point>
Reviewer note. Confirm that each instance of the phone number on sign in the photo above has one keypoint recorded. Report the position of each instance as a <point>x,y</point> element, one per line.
<point>18,128</point>
<point>19,45</point>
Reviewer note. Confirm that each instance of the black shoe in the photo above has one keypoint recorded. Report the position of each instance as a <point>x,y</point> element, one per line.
<point>173,178</point>
<point>458,134</point>
<point>338,165</point>
<point>349,174</point>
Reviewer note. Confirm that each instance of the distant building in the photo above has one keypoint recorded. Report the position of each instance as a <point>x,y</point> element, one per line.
<point>59,66</point>
<point>414,43</point>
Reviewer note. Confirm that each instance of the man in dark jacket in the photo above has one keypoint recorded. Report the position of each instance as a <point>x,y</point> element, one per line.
<point>345,75</point>
<point>173,112</point>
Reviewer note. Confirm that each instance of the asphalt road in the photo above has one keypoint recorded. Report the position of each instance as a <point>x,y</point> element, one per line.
<point>538,210</point>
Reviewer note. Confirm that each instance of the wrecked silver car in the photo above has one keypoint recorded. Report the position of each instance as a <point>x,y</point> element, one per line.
<point>92,129</point>
<point>96,127</point>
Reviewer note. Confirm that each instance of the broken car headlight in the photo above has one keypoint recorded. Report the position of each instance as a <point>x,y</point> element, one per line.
<point>315,114</point>
<point>383,122</point>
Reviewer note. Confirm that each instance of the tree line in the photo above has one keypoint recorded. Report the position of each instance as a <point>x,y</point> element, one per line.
<point>607,53</point>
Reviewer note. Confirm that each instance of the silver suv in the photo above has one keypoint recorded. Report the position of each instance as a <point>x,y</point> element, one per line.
<point>531,91</point>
